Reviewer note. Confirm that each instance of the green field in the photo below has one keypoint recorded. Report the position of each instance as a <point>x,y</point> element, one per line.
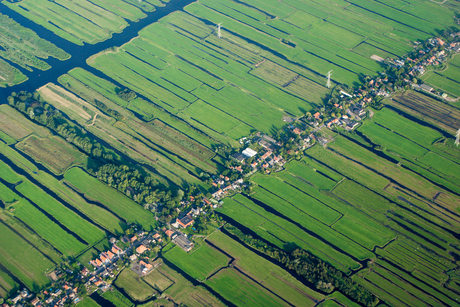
<point>265,272</point>
<point>241,291</point>
<point>54,153</point>
<point>87,302</point>
<point>158,280</point>
<point>278,231</point>
<point>87,231</point>
<point>113,200</point>
<point>200,263</point>
<point>117,298</point>
<point>14,124</point>
<point>183,292</point>
<point>89,22</point>
<point>23,260</point>
<point>7,285</point>
<point>134,285</point>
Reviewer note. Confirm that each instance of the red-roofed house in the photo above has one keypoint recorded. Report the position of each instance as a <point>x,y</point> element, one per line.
<point>169,232</point>
<point>297,131</point>
<point>116,250</point>
<point>110,255</point>
<point>317,115</point>
<point>141,249</point>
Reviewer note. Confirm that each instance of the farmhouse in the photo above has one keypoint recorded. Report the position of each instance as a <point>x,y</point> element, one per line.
<point>266,145</point>
<point>358,110</point>
<point>145,267</point>
<point>185,221</point>
<point>141,249</point>
<point>169,233</point>
<point>239,157</point>
<point>182,241</point>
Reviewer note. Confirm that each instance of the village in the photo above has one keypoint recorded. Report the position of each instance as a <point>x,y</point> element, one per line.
<point>138,252</point>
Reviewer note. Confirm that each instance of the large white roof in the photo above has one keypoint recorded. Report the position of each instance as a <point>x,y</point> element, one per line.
<point>248,152</point>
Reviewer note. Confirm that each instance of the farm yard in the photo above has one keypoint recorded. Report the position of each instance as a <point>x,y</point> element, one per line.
<point>152,127</point>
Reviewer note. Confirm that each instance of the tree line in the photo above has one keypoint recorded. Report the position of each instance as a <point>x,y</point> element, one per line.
<point>104,162</point>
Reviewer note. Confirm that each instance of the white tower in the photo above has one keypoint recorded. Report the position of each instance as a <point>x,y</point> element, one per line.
<point>219,35</point>
<point>457,140</point>
<point>328,83</point>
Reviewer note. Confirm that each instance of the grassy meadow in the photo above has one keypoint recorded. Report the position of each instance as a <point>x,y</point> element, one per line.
<point>199,263</point>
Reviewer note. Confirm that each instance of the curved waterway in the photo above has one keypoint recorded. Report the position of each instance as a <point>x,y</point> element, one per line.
<point>79,54</point>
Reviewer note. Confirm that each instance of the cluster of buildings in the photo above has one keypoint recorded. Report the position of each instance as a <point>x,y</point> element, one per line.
<point>181,240</point>
<point>224,188</point>
<point>106,257</point>
<point>264,159</point>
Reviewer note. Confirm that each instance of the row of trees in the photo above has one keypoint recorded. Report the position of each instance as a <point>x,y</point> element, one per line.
<point>109,167</point>
<point>313,269</point>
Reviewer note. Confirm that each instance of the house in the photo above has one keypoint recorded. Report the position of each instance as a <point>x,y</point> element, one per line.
<point>248,152</point>
<point>169,233</point>
<point>297,131</point>
<point>116,250</point>
<point>333,121</point>
<point>358,110</point>
<point>239,157</point>
<point>254,164</point>
<point>35,301</point>
<point>157,236</point>
<point>195,211</point>
<point>113,240</point>
<point>266,155</point>
<point>350,125</point>
<point>134,238</point>
<point>141,249</point>
<point>317,115</point>
<point>145,266</point>
<point>183,242</point>
<point>133,257</point>
<point>16,299</point>
<point>110,255</point>
<point>104,258</point>
<point>84,272</point>
<point>266,145</point>
<point>185,221</point>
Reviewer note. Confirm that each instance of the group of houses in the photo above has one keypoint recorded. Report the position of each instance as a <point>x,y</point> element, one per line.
<point>106,257</point>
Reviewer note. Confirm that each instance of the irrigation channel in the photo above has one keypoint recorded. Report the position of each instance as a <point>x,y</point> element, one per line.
<point>79,54</point>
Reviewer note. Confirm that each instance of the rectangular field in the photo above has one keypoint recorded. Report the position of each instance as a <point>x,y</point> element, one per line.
<point>265,272</point>
<point>134,285</point>
<point>23,260</point>
<point>53,152</point>
<point>110,198</point>
<point>200,263</point>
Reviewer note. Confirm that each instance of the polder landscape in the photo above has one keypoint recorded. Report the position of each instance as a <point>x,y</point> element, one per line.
<point>229,153</point>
